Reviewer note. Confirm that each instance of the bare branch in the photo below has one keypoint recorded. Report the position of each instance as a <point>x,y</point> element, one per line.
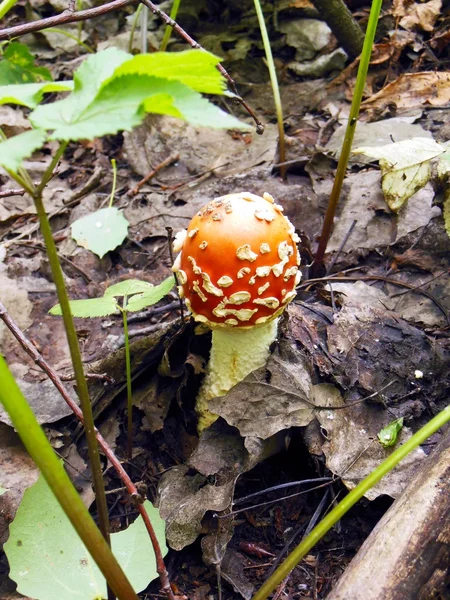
<point>68,16</point>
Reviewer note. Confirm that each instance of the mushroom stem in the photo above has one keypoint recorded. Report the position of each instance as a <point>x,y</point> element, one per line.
<point>234,354</point>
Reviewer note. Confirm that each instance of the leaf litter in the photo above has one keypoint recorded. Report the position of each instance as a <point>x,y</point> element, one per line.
<point>373,338</point>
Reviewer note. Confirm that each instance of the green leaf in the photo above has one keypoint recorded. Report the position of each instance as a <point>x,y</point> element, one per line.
<point>101,231</point>
<point>30,94</point>
<point>388,435</point>
<point>141,301</point>
<point>194,68</point>
<point>18,66</point>
<point>2,490</point>
<point>128,288</point>
<point>447,214</point>
<point>48,560</point>
<point>121,105</point>
<point>15,149</point>
<point>89,308</point>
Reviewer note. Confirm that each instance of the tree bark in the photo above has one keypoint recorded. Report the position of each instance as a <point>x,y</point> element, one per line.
<point>341,22</point>
<point>407,555</point>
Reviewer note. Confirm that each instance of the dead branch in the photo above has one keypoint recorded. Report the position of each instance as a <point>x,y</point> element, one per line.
<point>68,16</point>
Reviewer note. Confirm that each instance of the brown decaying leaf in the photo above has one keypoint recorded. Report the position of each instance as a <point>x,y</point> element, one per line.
<point>417,15</point>
<point>413,89</point>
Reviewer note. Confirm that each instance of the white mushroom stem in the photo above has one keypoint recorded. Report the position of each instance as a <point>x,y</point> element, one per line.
<point>234,354</point>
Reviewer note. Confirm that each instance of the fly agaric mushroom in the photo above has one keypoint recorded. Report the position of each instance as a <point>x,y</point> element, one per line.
<point>237,269</point>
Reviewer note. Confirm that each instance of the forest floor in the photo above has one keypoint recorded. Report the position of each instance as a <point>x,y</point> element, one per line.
<point>375,326</point>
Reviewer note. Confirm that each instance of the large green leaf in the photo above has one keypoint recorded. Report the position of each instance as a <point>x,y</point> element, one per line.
<point>194,68</point>
<point>89,308</point>
<point>152,296</point>
<point>88,79</point>
<point>101,231</point>
<point>15,149</point>
<point>30,94</point>
<point>121,105</point>
<point>48,560</point>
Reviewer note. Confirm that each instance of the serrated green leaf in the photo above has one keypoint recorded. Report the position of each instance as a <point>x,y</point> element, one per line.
<point>141,301</point>
<point>30,94</point>
<point>89,308</point>
<point>48,560</point>
<point>88,79</point>
<point>194,68</point>
<point>101,231</point>
<point>15,149</point>
<point>121,105</point>
<point>18,66</point>
<point>128,288</point>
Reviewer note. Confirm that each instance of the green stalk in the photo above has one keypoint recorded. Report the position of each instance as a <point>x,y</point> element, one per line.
<point>133,27</point>
<point>83,393</point>
<point>168,30</point>
<point>349,133</point>
<point>69,35</point>
<point>274,84</point>
<point>114,183</point>
<point>6,6</point>
<point>43,455</point>
<point>350,500</point>
<point>128,372</point>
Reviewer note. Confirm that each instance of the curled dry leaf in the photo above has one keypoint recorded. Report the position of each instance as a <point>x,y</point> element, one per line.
<point>352,450</point>
<point>413,89</point>
<point>417,15</point>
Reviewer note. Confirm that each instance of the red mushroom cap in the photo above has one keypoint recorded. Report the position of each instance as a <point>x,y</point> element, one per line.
<point>238,265</point>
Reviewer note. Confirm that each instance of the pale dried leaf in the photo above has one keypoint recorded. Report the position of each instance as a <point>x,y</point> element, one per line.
<point>413,89</point>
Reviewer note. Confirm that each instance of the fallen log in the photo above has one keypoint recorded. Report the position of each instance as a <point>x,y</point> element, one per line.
<point>407,555</point>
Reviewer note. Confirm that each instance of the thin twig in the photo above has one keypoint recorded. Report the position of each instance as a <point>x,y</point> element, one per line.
<point>31,350</point>
<point>379,278</point>
<point>68,16</point>
<point>165,163</point>
<point>8,193</point>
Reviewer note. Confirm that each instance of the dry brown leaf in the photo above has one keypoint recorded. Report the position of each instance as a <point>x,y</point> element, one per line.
<point>413,89</point>
<point>417,15</point>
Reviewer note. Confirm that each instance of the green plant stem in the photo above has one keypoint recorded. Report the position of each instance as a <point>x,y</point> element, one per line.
<point>349,134</point>
<point>168,30</point>
<point>44,456</point>
<point>274,84</point>
<point>6,6</point>
<point>72,339</point>
<point>69,35</point>
<point>128,373</point>
<point>133,27</point>
<point>114,183</point>
<point>144,29</point>
<point>350,500</point>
